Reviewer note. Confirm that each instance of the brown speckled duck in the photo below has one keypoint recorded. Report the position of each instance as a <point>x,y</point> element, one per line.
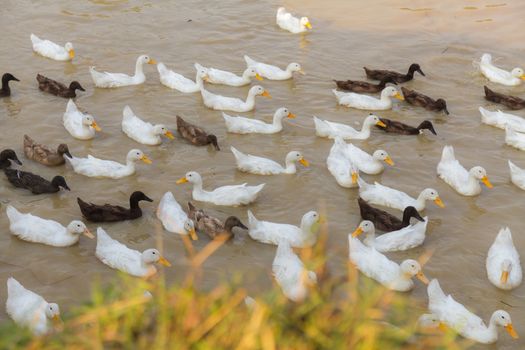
<point>43,154</point>
<point>511,102</point>
<point>6,157</point>
<point>385,221</point>
<point>396,127</point>
<point>418,99</point>
<point>58,89</point>
<point>212,226</point>
<point>35,183</point>
<point>195,135</point>
<point>6,90</point>
<point>378,74</point>
<point>111,213</point>
<point>363,86</point>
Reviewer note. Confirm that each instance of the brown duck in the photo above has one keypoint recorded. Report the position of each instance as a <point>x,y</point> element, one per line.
<point>6,90</point>
<point>110,213</point>
<point>58,89</point>
<point>385,221</point>
<point>363,86</point>
<point>510,101</point>
<point>418,99</point>
<point>395,127</point>
<point>43,154</point>
<point>195,135</point>
<point>6,157</point>
<point>378,74</point>
<point>212,226</point>
<point>35,183</point>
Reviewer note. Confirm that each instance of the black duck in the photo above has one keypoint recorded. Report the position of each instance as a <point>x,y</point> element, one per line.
<point>395,127</point>
<point>6,90</point>
<point>109,213</point>
<point>58,89</point>
<point>378,74</point>
<point>195,135</point>
<point>511,102</point>
<point>6,157</point>
<point>363,86</point>
<point>35,183</point>
<point>385,221</point>
<point>418,99</point>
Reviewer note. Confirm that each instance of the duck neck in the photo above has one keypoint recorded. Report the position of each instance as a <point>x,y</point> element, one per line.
<point>130,164</point>
<point>134,204</point>
<point>421,201</point>
<point>197,186</point>
<point>492,328</point>
<point>199,81</point>
<point>290,167</point>
<point>250,100</point>
<point>365,129</point>
<point>277,122</point>
<point>406,219</point>
<point>370,238</point>
<point>139,71</point>
<point>6,90</point>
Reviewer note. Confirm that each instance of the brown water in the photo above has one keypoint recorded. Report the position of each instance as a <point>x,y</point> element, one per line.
<point>444,37</point>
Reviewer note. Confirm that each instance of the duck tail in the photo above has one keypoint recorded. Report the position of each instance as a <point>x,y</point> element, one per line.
<point>321,127</point>
<point>102,236</point>
<point>28,141</point>
<point>362,183</point>
<point>513,167</point>
<point>252,220</point>
<point>13,286</point>
<point>127,112</point>
<point>34,39</point>
<point>486,58</point>
<point>249,61</point>
<point>488,92</point>
<point>12,213</point>
<point>448,154</point>
<point>504,236</point>
<point>426,124</point>
<point>435,293</point>
<point>71,106</point>
<point>283,248</point>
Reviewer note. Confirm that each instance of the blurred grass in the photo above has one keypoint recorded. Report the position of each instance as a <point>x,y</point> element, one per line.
<point>345,312</point>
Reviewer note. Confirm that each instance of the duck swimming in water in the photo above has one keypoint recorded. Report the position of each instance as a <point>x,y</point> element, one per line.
<point>6,90</point>
<point>378,74</point>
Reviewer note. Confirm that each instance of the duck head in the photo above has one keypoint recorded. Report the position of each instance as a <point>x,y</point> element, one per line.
<point>77,227</point>
<point>411,268</point>
<point>136,154</point>
<point>59,182</point>
<point>152,256</point>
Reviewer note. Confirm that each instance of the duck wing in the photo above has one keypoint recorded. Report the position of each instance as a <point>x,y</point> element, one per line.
<point>398,127</point>
<point>382,220</point>
<point>30,181</point>
<point>104,213</point>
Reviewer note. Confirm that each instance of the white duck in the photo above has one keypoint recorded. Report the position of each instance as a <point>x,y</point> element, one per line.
<point>408,237</point>
<point>242,125</point>
<point>339,165</point>
<point>514,138</point>
<point>117,256</point>
<point>35,229</point>
<point>371,164</point>
<point>113,80</point>
<point>498,75</point>
<point>264,166</point>
<point>469,325</point>
<point>173,218</point>
<point>392,198</point>
<point>179,82</point>
<point>501,119</point>
<point>141,131</point>
<point>29,309</point>
<point>95,167</point>
<point>503,262</point>
<point>324,128</point>
<point>273,72</point>
<point>360,101</point>
<point>290,273</point>
<point>51,50</point>
<point>378,267</point>
<point>517,175</point>
<point>273,233</point>
<point>226,195</point>
<point>295,25</point>
<point>217,76</point>
<point>453,173</point>
<point>224,103</point>
<point>80,125</point>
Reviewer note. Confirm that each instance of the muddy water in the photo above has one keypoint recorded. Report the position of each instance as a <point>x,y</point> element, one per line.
<point>443,37</point>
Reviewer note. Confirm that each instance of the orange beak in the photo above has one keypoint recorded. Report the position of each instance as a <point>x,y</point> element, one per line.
<point>182,180</point>
<point>95,126</point>
<point>439,202</point>
<point>357,232</point>
<point>169,135</point>
<point>266,94</point>
<point>421,276</point>
<point>510,329</point>
<point>291,115</point>
<point>486,181</point>
<point>504,277</point>
<point>88,233</point>
<point>163,261</point>
<point>389,161</point>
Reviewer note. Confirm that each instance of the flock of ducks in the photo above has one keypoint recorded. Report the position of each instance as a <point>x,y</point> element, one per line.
<point>345,162</point>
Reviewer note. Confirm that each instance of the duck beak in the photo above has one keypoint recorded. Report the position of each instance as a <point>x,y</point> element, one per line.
<point>421,72</point>
<point>95,126</point>
<point>182,180</point>
<point>57,322</point>
<point>163,261</point>
<point>522,77</point>
<point>71,54</point>
<point>421,276</point>
<point>266,94</point>
<point>145,159</point>
<point>439,202</point>
<point>381,124</point>
<point>88,233</point>
<point>354,178</point>
<point>291,115</point>
<point>357,232</point>
<point>206,78</point>
<point>504,277</point>
<point>443,327</point>
<point>304,162</point>
<point>389,161</point>
<point>399,96</point>
<point>152,61</point>
<point>300,71</point>
<point>258,77</point>
<point>308,25</point>
<point>486,181</point>
<point>17,161</point>
<point>169,135</point>
<point>193,235</point>
<point>510,329</point>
